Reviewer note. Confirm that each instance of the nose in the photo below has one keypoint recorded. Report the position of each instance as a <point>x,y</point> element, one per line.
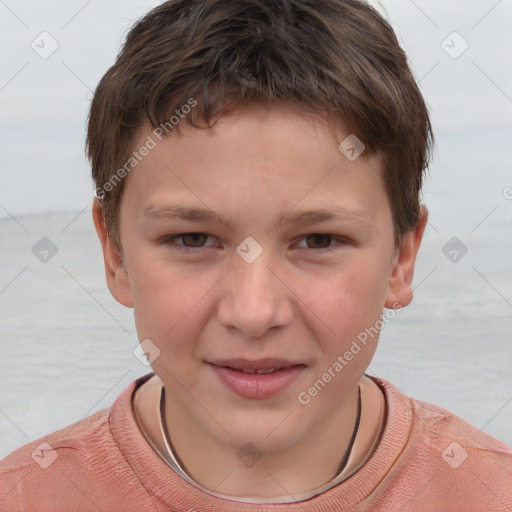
<point>254,299</point>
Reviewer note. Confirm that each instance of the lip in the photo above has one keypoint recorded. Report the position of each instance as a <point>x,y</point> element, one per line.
<point>256,364</point>
<point>257,386</point>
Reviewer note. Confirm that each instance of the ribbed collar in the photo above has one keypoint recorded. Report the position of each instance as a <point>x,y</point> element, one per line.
<point>175,493</point>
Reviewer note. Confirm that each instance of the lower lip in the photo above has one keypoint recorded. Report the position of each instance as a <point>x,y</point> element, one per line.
<point>257,386</point>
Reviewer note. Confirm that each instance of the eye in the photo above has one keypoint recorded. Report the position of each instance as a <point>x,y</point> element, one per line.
<point>190,241</point>
<point>321,241</point>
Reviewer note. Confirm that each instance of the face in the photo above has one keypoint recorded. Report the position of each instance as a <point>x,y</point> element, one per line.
<point>258,245</point>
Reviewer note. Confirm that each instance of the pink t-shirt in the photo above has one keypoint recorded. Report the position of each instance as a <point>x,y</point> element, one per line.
<point>426,459</point>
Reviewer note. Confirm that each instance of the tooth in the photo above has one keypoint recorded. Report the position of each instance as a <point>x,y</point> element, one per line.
<point>265,371</point>
<point>270,370</point>
<point>241,370</point>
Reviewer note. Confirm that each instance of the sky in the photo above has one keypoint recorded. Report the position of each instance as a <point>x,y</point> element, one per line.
<point>52,55</point>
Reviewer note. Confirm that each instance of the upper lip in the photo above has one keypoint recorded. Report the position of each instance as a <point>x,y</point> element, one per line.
<point>257,364</point>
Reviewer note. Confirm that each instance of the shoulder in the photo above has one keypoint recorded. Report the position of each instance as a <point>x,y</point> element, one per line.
<point>73,438</point>
<point>41,467</point>
<point>437,425</point>
<point>434,424</point>
<point>450,460</point>
<point>69,467</point>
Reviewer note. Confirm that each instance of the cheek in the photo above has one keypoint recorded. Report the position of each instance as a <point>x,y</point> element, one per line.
<point>348,302</point>
<point>163,297</point>
<point>171,306</point>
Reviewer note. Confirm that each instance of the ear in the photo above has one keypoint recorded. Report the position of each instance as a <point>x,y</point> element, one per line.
<point>400,282</point>
<point>115,271</point>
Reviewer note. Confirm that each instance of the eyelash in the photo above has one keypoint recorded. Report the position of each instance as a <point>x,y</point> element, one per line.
<point>171,240</point>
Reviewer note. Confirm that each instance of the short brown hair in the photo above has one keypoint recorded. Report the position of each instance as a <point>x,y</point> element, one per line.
<point>335,56</point>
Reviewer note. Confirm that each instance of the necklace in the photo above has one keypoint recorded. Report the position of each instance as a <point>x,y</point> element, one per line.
<point>172,453</point>
<point>354,434</point>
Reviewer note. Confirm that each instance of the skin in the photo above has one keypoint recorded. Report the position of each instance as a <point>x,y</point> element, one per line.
<point>297,300</point>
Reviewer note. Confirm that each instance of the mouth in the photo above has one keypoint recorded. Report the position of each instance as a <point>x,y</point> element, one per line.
<point>257,379</point>
<point>260,372</point>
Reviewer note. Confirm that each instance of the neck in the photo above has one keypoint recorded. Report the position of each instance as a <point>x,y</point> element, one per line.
<point>295,469</point>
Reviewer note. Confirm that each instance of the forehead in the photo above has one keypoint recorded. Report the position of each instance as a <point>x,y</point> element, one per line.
<point>264,157</point>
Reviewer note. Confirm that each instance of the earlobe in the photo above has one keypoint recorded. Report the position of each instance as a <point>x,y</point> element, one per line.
<point>400,291</point>
<point>115,271</point>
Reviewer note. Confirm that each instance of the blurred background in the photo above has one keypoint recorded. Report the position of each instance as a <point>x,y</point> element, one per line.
<point>67,346</point>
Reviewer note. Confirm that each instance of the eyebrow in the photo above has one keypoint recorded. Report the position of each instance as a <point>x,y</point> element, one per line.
<point>302,217</point>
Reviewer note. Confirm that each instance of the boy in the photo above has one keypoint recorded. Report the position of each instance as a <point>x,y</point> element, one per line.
<point>258,166</point>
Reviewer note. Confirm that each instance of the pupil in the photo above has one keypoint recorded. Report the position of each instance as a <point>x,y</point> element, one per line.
<point>195,239</point>
<point>320,240</point>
